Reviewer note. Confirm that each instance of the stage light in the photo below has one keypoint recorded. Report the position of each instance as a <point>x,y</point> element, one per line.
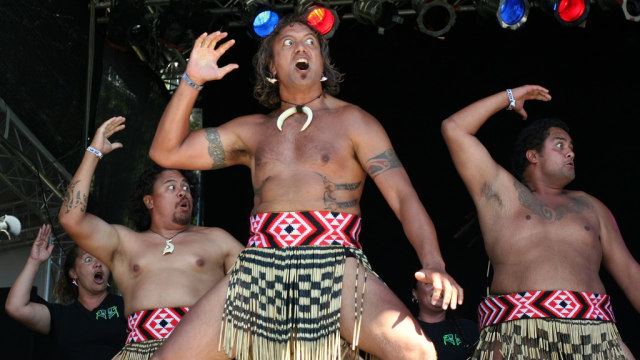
<point>510,14</point>
<point>260,17</point>
<point>567,12</point>
<point>631,9</point>
<point>10,225</point>
<point>319,16</point>
<point>435,17</point>
<point>380,13</point>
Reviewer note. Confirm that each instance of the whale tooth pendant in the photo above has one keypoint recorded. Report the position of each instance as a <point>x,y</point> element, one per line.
<point>292,110</point>
<point>168,249</point>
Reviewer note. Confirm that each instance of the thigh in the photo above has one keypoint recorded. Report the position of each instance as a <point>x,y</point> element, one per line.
<point>198,332</point>
<point>388,329</point>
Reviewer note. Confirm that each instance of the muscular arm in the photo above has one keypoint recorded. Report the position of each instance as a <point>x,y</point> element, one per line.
<point>384,167</point>
<point>470,157</point>
<point>616,257</point>
<point>19,306</point>
<point>89,231</point>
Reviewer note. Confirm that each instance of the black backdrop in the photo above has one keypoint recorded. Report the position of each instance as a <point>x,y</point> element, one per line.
<point>411,82</point>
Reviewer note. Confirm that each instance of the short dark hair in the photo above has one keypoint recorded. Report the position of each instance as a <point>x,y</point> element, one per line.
<point>267,93</point>
<point>532,137</point>
<point>138,212</point>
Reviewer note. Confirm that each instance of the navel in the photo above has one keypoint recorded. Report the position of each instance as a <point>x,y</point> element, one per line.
<point>200,262</point>
<point>136,267</point>
<point>325,158</point>
<point>587,228</point>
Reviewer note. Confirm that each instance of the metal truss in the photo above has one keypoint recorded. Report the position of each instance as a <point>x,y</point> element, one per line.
<point>32,181</point>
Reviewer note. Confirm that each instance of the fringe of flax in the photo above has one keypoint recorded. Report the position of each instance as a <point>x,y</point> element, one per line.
<point>139,350</point>
<point>554,339</point>
<point>268,319</point>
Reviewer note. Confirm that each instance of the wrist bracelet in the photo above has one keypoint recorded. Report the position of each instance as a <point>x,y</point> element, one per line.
<point>512,100</point>
<point>189,82</point>
<point>95,152</point>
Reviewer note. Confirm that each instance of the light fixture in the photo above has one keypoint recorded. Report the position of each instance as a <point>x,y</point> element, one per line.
<point>435,17</point>
<point>510,14</point>
<point>319,16</point>
<point>10,225</point>
<point>567,12</point>
<point>380,13</point>
<point>631,9</point>
<point>261,17</point>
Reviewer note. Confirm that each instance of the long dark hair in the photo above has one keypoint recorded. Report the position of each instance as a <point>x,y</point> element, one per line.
<point>267,93</point>
<point>64,290</point>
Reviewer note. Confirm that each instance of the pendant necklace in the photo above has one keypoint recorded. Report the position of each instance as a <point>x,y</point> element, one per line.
<point>168,248</point>
<point>302,108</point>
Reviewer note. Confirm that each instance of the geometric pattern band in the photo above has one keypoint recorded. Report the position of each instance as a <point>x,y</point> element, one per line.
<point>556,304</point>
<point>316,228</point>
<point>153,324</point>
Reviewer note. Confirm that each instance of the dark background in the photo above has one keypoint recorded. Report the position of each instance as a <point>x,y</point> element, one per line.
<point>406,79</point>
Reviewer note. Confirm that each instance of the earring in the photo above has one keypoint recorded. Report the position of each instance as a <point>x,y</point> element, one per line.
<point>272,80</point>
<point>74,282</point>
<point>323,78</point>
<point>414,300</point>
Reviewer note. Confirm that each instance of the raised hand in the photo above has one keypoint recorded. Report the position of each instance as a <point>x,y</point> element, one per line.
<point>101,138</point>
<point>528,92</point>
<point>41,249</point>
<point>203,60</point>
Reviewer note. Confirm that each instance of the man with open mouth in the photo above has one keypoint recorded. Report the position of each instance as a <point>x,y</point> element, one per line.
<point>303,283</point>
<point>165,266</point>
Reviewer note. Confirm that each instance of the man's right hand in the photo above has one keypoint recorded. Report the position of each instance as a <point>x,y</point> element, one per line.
<point>203,60</point>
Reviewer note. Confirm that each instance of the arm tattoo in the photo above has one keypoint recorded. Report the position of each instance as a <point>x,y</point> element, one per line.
<point>379,164</point>
<point>329,198</point>
<point>72,201</point>
<point>216,151</point>
<point>575,205</point>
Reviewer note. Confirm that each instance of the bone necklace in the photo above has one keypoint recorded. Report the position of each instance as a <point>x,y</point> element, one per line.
<point>168,248</point>
<point>303,108</point>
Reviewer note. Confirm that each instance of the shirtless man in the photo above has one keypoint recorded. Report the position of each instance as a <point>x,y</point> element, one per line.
<point>545,243</point>
<point>162,270</point>
<point>309,159</point>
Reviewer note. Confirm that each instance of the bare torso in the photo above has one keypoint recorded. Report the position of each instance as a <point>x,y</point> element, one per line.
<point>148,279</point>
<point>541,243</point>
<point>316,169</point>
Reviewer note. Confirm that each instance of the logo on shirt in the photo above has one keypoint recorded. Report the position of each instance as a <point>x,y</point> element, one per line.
<point>108,313</point>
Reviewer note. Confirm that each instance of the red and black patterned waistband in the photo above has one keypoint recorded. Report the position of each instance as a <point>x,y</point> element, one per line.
<point>153,324</point>
<point>315,228</point>
<point>557,304</point>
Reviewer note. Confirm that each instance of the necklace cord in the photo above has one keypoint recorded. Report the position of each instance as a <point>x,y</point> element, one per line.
<point>301,105</point>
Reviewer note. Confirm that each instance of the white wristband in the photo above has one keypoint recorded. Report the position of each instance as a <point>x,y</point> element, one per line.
<point>95,152</point>
<point>512,100</point>
<point>190,82</point>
